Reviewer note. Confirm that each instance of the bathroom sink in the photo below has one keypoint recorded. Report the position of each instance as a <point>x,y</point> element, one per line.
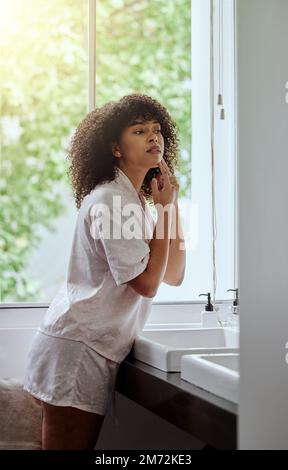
<point>216,373</point>
<point>163,349</point>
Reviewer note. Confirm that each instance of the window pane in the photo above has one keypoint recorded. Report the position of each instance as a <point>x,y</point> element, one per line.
<point>44,83</point>
<point>145,47</point>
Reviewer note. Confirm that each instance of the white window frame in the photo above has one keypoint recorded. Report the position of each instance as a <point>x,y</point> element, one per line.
<point>225,169</point>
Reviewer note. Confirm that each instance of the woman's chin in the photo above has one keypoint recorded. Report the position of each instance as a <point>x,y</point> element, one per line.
<point>155,165</point>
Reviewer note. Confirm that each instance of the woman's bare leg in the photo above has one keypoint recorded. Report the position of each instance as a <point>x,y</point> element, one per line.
<point>68,428</point>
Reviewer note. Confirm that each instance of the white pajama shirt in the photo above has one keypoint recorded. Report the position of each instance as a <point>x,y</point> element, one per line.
<point>95,315</point>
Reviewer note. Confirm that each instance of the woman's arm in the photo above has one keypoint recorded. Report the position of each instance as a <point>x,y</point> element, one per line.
<point>175,270</point>
<point>148,282</point>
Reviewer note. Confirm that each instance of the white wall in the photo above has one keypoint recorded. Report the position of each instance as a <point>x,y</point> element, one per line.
<point>263,222</point>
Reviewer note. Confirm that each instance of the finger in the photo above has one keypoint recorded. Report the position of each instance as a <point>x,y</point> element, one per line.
<point>160,181</point>
<point>154,185</point>
<point>164,172</point>
<point>173,179</point>
<point>166,166</point>
<point>162,167</point>
<point>165,179</point>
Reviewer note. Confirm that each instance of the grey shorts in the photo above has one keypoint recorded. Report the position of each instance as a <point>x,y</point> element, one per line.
<point>65,372</point>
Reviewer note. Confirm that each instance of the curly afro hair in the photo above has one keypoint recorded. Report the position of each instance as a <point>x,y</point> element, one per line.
<point>90,153</point>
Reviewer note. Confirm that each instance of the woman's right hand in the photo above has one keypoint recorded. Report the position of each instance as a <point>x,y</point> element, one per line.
<point>167,194</point>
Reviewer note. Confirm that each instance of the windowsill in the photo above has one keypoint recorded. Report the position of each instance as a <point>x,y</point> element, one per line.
<point>46,305</point>
<point>29,315</point>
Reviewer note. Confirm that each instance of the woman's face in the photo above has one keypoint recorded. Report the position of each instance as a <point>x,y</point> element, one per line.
<point>136,141</point>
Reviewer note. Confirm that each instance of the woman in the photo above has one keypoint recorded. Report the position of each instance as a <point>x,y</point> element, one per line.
<point>103,305</point>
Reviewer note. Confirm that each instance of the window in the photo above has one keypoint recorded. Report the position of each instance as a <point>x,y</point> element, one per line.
<point>44,96</point>
<point>197,205</point>
<point>45,81</point>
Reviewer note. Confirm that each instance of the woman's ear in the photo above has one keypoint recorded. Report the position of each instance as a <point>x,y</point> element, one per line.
<point>115,150</point>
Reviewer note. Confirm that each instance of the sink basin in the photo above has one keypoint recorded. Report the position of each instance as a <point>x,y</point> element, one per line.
<point>164,348</point>
<point>216,373</point>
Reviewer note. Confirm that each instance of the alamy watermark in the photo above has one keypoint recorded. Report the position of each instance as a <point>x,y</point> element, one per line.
<point>130,221</point>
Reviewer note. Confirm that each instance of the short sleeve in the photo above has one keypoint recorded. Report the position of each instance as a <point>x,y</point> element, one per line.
<point>126,262</point>
<point>121,234</point>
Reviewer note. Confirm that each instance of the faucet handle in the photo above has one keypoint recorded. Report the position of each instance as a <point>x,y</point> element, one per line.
<point>235,306</point>
<point>236,300</point>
